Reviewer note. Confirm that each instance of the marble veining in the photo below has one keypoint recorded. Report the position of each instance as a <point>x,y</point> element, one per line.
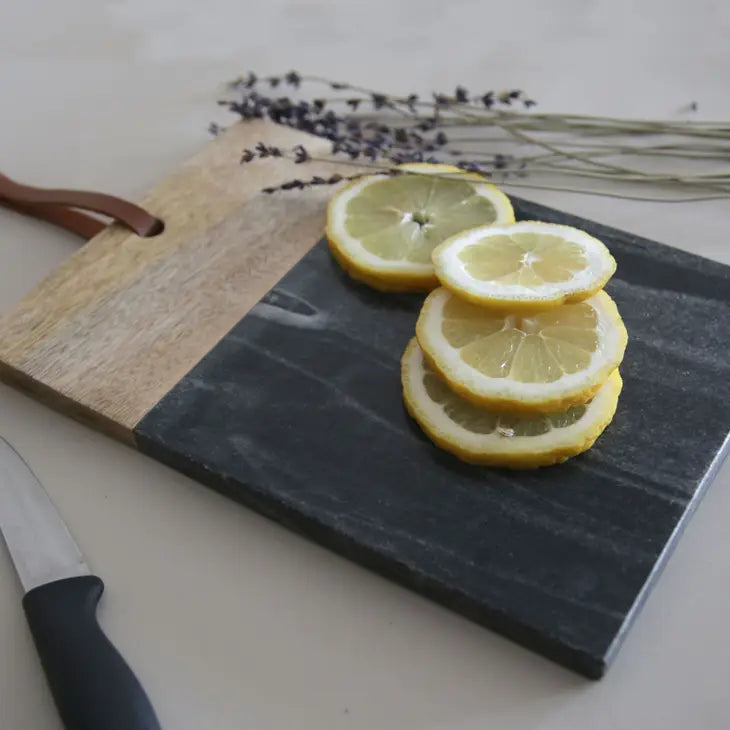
<point>297,413</point>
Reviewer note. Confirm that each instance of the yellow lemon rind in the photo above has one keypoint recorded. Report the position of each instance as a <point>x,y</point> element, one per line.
<point>517,306</point>
<point>399,276</point>
<point>538,451</point>
<point>521,403</point>
<point>384,280</point>
<point>520,305</point>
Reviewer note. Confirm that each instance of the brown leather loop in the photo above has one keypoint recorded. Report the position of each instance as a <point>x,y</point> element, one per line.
<point>55,205</point>
<point>74,221</point>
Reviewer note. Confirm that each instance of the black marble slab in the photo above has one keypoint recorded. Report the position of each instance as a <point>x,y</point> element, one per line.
<point>297,413</point>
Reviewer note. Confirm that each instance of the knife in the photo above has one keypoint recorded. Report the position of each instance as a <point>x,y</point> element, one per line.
<point>92,685</point>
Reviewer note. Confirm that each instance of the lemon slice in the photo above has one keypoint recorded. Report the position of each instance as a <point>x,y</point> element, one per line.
<point>382,230</point>
<point>496,438</point>
<point>527,266</point>
<point>526,363</point>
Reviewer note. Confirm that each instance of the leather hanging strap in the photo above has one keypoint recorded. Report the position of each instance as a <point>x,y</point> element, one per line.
<point>63,208</point>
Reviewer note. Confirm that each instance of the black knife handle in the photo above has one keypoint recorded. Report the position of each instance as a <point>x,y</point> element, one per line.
<point>92,685</point>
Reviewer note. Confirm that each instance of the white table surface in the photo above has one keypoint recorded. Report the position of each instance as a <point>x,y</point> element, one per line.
<point>229,620</point>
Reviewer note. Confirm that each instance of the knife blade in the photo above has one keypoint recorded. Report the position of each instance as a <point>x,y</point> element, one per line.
<point>92,685</point>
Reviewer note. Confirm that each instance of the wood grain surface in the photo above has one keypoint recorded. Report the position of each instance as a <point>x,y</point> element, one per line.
<point>109,332</point>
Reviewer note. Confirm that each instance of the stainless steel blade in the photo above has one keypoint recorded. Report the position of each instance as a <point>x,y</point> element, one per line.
<point>38,540</point>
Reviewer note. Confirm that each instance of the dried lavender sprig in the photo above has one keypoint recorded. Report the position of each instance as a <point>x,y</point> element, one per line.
<point>369,139</point>
<point>334,179</point>
<point>630,126</point>
<point>255,105</point>
<point>506,165</point>
<point>501,162</point>
<point>297,184</point>
<point>460,96</point>
<point>299,154</point>
<point>354,140</point>
<point>369,146</point>
<point>373,168</point>
<point>627,173</point>
<point>374,137</point>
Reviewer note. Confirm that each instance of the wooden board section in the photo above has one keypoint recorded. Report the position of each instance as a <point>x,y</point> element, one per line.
<point>108,333</point>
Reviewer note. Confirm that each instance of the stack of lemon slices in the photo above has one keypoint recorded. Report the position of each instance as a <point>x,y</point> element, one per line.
<point>517,348</point>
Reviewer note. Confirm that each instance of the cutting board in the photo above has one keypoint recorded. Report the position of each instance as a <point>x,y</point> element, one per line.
<point>234,349</point>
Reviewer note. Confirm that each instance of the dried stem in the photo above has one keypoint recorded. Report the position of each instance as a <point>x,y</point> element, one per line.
<point>376,131</point>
